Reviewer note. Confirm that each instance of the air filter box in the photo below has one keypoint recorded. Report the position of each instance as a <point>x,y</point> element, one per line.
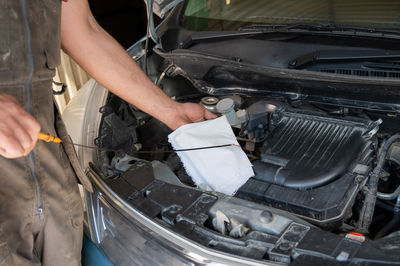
<point>312,164</point>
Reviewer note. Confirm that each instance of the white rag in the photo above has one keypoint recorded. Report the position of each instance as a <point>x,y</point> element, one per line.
<point>223,169</point>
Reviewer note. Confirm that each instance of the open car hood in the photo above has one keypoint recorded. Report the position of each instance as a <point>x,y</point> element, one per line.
<point>160,8</point>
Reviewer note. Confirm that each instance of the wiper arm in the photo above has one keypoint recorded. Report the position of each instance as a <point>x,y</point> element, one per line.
<point>332,56</point>
<point>248,31</point>
<point>319,27</point>
<point>260,29</point>
<point>284,27</point>
<point>204,36</point>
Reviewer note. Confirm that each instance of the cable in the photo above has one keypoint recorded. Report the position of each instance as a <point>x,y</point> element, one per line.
<point>146,45</point>
<point>367,211</point>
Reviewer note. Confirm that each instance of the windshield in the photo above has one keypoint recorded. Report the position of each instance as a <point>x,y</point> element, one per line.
<point>217,15</point>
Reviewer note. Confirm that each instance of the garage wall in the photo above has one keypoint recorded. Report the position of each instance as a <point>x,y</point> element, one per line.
<point>70,74</point>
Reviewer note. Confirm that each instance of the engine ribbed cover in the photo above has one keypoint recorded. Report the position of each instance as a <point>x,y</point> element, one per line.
<point>312,165</point>
<point>305,151</point>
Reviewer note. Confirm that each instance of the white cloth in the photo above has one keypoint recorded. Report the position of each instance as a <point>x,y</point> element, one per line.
<point>223,169</point>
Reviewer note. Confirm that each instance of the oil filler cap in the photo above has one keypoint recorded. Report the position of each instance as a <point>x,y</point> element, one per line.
<point>356,237</point>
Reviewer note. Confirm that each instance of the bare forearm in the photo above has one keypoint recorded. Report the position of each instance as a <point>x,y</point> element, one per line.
<point>107,62</point>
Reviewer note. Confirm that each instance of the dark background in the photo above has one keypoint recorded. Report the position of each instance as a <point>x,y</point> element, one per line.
<point>125,20</point>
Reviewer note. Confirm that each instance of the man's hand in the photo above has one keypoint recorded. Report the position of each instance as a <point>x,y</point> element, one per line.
<point>188,113</point>
<point>18,129</point>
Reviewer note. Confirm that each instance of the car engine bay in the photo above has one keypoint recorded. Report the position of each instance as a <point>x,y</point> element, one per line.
<point>306,161</point>
<point>317,165</point>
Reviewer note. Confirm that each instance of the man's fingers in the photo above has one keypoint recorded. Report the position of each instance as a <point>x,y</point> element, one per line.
<point>25,129</point>
<point>18,129</point>
<point>21,134</point>
<point>208,115</point>
<point>189,113</point>
<point>11,148</point>
<point>32,128</point>
<point>16,141</point>
<point>28,122</point>
<point>3,152</point>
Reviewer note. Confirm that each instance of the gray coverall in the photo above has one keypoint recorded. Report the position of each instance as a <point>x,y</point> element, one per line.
<point>40,207</point>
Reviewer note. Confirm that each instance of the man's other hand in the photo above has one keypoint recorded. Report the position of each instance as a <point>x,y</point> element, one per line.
<point>18,129</point>
<point>186,113</point>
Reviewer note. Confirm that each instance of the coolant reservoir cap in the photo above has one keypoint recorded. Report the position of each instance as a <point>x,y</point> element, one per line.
<point>225,105</point>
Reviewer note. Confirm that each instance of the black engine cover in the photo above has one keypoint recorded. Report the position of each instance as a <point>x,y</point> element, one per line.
<point>311,165</point>
<point>305,151</point>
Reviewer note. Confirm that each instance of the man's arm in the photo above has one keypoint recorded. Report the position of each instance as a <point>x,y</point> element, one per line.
<point>108,63</point>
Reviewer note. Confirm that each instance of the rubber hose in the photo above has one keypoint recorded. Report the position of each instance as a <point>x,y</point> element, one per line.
<point>367,211</point>
<point>393,223</point>
<point>389,196</point>
<point>384,205</point>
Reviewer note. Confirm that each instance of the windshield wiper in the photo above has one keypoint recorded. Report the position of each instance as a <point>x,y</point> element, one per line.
<point>204,36</point>
<point>283,27</point>
<point>333,56</point>
<point>323,27</point>
<point>300,28</point>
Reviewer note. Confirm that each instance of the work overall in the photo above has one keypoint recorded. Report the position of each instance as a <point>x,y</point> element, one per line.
<point>40,208</point>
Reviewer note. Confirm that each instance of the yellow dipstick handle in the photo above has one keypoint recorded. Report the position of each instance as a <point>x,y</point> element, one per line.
<point>48,138</point>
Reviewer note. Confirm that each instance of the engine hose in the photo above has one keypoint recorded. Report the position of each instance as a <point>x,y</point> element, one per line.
<point>385,205</point>
<point>367,211</point>
<point>393,223</point>
<point>389,196</point>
